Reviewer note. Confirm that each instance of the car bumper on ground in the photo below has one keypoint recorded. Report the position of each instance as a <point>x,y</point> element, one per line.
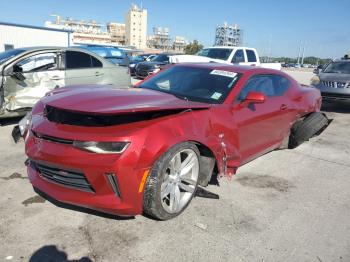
<point>105,183</point>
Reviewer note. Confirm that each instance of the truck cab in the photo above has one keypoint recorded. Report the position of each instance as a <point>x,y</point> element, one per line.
<point>231,54</point>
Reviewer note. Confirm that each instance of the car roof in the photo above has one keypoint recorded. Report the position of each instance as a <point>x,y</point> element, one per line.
<point>227,47</point>
<point>28,50</point>
<point>43,48</point>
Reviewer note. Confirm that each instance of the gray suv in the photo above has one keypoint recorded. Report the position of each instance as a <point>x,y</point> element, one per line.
<point>334,81</point>
<point>27,74</point>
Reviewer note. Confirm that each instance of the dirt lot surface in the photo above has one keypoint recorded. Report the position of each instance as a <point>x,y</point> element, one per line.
<point>289,205</point>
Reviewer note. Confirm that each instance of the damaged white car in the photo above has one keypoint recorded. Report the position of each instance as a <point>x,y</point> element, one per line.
<point>27,74</point>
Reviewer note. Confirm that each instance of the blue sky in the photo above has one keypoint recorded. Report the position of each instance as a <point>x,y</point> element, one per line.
<point>279,25</point>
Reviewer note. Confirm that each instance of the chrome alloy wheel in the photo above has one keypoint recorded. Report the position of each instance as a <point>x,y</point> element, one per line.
<point>180,180</point>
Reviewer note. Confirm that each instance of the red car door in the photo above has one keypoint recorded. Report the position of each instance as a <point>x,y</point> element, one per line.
<point>262,126</point>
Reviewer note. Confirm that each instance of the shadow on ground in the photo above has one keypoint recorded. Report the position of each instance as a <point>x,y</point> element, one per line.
<point>52,254</point>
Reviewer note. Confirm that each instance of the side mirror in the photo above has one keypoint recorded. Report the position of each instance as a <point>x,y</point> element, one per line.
<point>255,97</point>
<point>316,71</point>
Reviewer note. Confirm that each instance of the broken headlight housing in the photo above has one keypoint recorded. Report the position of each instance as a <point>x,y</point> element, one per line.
<point>102,147</point>
<point>25,123</point>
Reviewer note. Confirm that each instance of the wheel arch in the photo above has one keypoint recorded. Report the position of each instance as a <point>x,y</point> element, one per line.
<point>208,163</point>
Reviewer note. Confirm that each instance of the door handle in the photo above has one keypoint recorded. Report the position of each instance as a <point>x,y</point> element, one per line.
<point>297,98</point>
<point>55,78</point>
<point>283,107</point>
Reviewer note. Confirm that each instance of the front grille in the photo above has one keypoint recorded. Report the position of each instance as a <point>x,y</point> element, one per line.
<point>336,84</point>
<point>142,67</point>
<point>67,178</point>
<point>335,96</point>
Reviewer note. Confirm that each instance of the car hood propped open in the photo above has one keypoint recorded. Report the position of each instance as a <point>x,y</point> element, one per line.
<point>110,100</point>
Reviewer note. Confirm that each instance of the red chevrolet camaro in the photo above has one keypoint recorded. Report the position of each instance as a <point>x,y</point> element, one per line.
<point>147,149</point>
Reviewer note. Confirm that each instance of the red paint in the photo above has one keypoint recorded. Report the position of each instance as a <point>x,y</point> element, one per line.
<point>246,133</point>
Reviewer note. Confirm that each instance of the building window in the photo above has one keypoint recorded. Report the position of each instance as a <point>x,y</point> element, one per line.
<point>8,47</point>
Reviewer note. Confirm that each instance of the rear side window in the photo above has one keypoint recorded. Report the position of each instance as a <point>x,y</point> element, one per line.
<point>251,55</point>
<point>95,62</point>
<point>79,60</point>
<point>281,85</point>
<point>238,57</point>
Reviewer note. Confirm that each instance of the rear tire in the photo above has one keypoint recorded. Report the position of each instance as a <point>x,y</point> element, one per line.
<point>304,129</point>
<point>172,182</point>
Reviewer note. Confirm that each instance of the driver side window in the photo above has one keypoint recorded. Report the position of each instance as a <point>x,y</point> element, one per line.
<point>36,63</point>
<point>262,83</point>
<point>238,57</point>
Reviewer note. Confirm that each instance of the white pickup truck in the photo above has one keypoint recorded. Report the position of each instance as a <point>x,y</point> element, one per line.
<point>226,54</point>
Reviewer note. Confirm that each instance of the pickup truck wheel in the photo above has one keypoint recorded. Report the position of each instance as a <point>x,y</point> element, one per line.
<point>304,129</point>
<point>173,182</point>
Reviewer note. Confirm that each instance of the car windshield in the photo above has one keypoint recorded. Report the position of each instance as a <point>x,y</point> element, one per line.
<point>137,58</point>
<point>341,67</point>
<point>215,53</point>
<point>4,56</point>
<point>194,83</point>
<point>160,58</point>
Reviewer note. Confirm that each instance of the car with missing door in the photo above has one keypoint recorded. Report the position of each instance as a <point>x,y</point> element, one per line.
<point>27,74</point>
<point>333,80</point>
<point>149,149</point>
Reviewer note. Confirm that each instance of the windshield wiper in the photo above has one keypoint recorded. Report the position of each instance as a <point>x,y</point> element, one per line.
<point>180,96</point>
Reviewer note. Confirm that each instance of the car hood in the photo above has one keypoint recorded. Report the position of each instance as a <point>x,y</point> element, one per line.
<point>334,77</point>
<point>111,100</point>
<point>151,64</point>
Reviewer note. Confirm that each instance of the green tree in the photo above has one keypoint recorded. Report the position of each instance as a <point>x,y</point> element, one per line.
<point>193,47</point>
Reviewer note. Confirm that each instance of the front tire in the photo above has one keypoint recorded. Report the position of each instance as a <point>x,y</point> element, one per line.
<point>172,182</point>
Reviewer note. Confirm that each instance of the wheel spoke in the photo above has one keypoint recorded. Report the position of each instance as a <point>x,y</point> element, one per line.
<point>176,198</point>
<point>166,190</point>
<point>187,160</point>
<point>177,163</point>
<point>187,168</point>
<point>186,187</point>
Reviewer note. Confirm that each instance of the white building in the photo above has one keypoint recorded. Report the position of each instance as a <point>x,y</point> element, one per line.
<point>136,27</point>
<point>18,35</point>
<point>83,32</point>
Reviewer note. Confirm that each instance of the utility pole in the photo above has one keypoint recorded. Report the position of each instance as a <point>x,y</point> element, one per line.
<point>299,53</point>
<point>302,59</point>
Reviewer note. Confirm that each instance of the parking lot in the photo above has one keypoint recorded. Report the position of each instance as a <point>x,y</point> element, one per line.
<point>289,205</point>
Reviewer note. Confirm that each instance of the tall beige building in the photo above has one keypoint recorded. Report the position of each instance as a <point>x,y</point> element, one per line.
<point>136,27</point>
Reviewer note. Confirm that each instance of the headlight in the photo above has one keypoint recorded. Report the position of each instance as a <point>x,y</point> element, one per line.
<point>157,69</point>
<point>24,123</point>
<point>102,147</point>
<point>132,65</point>
<point>315,80</point>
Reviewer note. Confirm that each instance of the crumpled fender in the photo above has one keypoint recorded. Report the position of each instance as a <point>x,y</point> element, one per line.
<point>183,128</point>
